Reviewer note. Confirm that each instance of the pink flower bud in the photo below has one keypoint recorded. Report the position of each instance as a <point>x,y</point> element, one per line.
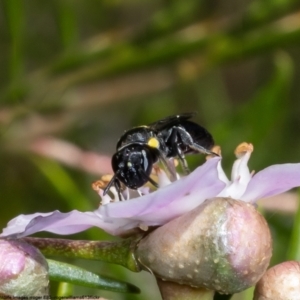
<point>281,282</point>
<point>223,245</point>
<point>23,271</point>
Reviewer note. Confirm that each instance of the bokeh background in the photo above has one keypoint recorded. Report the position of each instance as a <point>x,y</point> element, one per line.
<point>74,74</point>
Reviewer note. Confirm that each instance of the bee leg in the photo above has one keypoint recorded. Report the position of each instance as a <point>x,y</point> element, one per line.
<point>142,172</point>
<point>153,182</point>
<point>114,181</point>
<point>173,139</point>
<point>118,188</point>
<point>170,168</point>
<point>183,161</point>
<point>139,192</point>
<point>188,141</point>
<point>201,149</point>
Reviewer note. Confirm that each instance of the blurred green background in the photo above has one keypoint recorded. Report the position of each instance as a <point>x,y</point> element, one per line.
<point>74,74</point>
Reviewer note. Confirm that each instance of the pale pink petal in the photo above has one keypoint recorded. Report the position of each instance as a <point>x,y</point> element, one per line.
<point>19,223</point>
<point>152,209</point>
<point>61,223</point>
<point>272,181</point>
<point>167,203</point>
<point>204,175</point>
<point>208,186</point>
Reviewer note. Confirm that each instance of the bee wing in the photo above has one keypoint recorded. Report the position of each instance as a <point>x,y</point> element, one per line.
<point>171,120</point>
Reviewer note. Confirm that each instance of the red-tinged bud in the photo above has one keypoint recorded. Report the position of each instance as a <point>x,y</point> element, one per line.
<point>23,271</point>
<point>223,245</point>
<point>281,282</point>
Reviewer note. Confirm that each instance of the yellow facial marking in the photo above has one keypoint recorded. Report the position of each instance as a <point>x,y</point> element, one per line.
<point>153,143</point>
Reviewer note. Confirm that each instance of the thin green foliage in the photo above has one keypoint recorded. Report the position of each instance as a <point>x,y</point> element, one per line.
<point>294,245</point>
<point>68,273</point>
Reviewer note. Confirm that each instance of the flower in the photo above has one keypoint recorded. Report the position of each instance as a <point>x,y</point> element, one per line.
<point>24,270</point>
<point>169,201</point>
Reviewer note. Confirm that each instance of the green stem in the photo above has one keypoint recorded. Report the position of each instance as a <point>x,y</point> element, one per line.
<point>15,18</point>
<point>67,24</point>
<point>120,253</point>
<point>213,49</point>
<point>217,49</point>
<point>255,16</point>
<point>293,252</point>
<point>65,289</point>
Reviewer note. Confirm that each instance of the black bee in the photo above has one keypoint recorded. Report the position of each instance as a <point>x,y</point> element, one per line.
<point>182,136</point>
<point>141,147</point>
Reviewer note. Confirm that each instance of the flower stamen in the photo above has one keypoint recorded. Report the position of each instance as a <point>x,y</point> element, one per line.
<point>216,149</point>
<point>242,149</point>
<point>99,187</point>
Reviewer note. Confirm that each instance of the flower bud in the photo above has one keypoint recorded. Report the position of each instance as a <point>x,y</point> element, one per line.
<point>24,270</point>
<point>281,282</point>
<point>223,245</point>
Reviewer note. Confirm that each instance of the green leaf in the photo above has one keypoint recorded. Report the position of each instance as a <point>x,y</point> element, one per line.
<point>59,271</point>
